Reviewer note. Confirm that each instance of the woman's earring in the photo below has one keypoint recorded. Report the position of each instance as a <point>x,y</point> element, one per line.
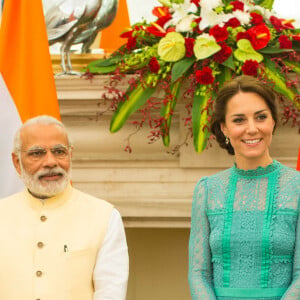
<point>226,140</point>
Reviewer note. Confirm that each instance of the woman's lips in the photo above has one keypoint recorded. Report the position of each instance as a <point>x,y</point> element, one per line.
<point>252,142</point>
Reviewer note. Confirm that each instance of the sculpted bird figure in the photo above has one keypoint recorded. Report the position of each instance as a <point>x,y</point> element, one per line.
<point>76,21</point>
<point>104,18</point>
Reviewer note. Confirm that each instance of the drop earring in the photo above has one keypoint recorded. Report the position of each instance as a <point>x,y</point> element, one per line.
<point>226,140</point>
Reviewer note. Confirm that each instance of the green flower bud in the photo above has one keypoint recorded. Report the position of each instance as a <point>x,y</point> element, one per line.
<point>218,9</point>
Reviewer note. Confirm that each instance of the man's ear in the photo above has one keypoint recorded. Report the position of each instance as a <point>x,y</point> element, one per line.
<point>16,162</point>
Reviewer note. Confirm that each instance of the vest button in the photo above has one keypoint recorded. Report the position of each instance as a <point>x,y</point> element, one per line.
<point>40,244</point>
<point>43,218</point>
<point>39,273</point>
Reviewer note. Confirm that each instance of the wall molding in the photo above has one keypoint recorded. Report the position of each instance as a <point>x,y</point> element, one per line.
<point>150,187</point>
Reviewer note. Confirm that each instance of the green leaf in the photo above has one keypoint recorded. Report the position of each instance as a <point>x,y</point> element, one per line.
<point>280,84</point>
<point>294,65</point>
<point>101,70</point>
<point>296,46</point>
<point>167,112</point>
<point>224,76</point>
<point>245,52</point>
<point>180,67</point>
<point>165,2</point>
<point>199,119</point>
<point>104,62</point>
<point>136,98</point>
<point>205,47</point>
<point>103,66</point>
<point>229,63</point>
<point>273,50</point>
<point>265,3</point>
<point>171,47</point>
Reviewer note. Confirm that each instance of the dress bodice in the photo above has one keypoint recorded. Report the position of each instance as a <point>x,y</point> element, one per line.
<point>244,234</point>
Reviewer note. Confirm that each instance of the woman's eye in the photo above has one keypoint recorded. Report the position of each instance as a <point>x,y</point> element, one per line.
<point>261,117</point>
<point>238,120</point>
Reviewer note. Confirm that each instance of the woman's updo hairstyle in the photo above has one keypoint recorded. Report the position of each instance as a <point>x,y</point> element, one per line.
<point>246,84</point>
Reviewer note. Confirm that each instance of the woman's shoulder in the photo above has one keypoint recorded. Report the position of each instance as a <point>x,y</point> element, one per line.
<point>289,172</point>
<point>218,177</point>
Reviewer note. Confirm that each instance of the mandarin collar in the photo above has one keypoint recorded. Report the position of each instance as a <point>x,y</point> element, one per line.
<point>49,203</point>
<point>258,172</point>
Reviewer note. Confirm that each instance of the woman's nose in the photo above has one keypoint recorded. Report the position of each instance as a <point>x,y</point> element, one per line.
<point>251,128</point>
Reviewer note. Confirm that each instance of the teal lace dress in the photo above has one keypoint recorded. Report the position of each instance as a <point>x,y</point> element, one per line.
<point>245,235</point>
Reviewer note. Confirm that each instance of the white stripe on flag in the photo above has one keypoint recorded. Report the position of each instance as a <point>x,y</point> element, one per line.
<point>9,123</point>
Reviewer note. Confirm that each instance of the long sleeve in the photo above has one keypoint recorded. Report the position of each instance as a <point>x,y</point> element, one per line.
<point>112,266</point>
<point>200,267</point>
<point>293,292</point>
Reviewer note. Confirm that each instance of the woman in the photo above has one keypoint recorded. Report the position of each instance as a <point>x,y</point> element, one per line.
<point>245,241</point>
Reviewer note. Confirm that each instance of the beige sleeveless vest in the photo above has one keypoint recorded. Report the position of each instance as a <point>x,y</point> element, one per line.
<point>48,250</point>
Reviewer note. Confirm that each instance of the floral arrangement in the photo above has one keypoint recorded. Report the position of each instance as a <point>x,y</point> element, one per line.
<point>190,51</point>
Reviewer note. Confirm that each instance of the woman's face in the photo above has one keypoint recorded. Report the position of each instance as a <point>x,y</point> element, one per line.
<point>249,126</point>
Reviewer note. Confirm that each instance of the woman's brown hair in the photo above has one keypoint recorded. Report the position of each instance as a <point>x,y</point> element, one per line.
<point>246,84</point>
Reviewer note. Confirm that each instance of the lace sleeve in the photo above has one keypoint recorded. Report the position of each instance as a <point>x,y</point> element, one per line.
<point>293,292</point>
<point>200,268</point>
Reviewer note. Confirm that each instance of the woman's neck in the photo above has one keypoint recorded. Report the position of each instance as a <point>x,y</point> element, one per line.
<point>252,164</point>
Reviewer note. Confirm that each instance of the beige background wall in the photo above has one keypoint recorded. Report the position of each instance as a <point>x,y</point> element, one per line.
<point>158,264</point>
<point>150,187</point>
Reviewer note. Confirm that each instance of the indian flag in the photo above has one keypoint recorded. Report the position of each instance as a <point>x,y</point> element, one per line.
<point>27,86</point>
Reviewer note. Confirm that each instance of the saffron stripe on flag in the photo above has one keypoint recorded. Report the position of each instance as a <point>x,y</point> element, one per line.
<point>9,123</point>
<point>27,77</point>
<point>25,61</point>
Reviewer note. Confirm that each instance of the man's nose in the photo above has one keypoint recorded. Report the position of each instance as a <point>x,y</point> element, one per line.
<point>49,160</point>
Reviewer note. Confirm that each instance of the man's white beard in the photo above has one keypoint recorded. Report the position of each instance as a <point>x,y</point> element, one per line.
<point>49,189</point>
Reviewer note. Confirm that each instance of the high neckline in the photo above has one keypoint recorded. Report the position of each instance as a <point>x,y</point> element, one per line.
<point>259,171</point>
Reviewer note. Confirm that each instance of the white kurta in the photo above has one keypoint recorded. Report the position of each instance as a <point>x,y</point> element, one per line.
<point>112,266</point>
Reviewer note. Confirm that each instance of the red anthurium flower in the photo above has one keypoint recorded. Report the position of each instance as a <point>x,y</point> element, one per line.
<point>243,35</point>
<point>250,67</point>
<point>219,33</point>
<point>285,42</point>
<point>189,45</point>
<point>160,11</point>
<point>196,2</point>
<point>280,24</point>
<point>171,29</point>
<point>163,20</point>
<point>154,65</point>
<point>223,54</point>
<point>233,23</point>
<point>237,5</point>
<point>256,18</point>
<point>131,42</point>
<point>296,37</point>
<point>205,76</point>
<point>126,34</point>
<point>260,36</point>
<point>196,28</point>
<point>156,30</point>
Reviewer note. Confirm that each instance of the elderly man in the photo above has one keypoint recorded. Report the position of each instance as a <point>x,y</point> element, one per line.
<point>57,243</point>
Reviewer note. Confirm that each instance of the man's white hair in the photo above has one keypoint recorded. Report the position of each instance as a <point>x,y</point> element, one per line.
<point>43,120</point>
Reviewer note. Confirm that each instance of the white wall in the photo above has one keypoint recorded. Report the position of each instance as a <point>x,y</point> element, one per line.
<point>289,9</point>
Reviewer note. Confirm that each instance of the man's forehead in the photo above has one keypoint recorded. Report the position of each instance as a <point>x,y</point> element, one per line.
<point>41,134</point>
